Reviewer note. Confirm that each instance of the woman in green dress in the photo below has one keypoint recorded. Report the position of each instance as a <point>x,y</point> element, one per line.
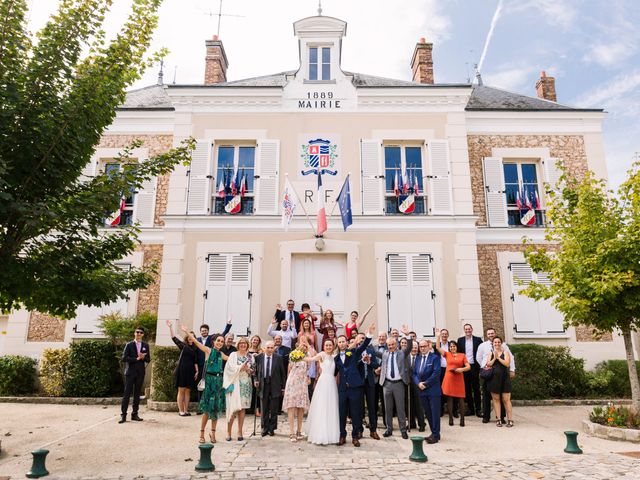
<point>212,402</point>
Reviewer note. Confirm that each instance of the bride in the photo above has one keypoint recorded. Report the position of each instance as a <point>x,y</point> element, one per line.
<point>323,421</point>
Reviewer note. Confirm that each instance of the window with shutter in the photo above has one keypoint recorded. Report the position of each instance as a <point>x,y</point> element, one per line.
<point>88,317</point>
<point>200,175</point>
<point>372,177</point>
<point>410,295</point>
<point>494,192</point>
<point>228,292</point>
<point>552,173</point>
<point>144,205</point>
<point>402,172</point>
<point>266,185</point>
<point>233,164</point>
<point>522,193</point>
<point>531,316</point>
<point>440,193</point>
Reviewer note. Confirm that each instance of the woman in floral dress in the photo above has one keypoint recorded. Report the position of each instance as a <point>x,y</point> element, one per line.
<point>212,402</point>
<point>296,392</point>
<point>237,384</point>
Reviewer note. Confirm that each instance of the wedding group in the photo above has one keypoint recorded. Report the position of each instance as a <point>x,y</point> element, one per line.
<point>310,367</point>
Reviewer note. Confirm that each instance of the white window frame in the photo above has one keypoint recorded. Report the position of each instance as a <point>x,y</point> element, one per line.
<point>424,194</point>
<point>539,184</point>
<point>319,63</point>
<point>236,144</point>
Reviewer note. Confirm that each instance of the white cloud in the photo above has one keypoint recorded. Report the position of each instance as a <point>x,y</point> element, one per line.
<point>612,90</point>
<point>609,54</point>
<point>512,77</point>
<point>557,12</point>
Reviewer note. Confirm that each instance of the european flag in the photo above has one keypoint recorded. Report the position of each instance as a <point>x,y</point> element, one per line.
<point>344,202</point>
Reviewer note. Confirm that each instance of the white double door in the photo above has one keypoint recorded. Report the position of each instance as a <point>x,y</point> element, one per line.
<point>322,279</point>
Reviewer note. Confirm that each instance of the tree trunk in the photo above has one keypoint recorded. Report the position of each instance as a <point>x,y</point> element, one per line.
<point>633,371</point>
<point>636,341</point>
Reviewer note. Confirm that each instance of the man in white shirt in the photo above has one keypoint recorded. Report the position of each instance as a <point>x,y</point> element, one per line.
<point>287,332</point>
<point>444,345</point>
<point>484,350</point>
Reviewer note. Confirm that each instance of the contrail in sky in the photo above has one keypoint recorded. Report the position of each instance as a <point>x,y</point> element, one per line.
<point>494,21</point>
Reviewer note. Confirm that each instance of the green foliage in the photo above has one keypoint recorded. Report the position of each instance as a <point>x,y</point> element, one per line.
<point>53,370</point>
<point>17,375</point>
<point>595,272</point>
<point>120,329</point>
<point>611,416</point>
<point>55,104</point>
<point>93,370</point>
<point>164,361</point>
<point>617,372</point>
<point>547,372</point>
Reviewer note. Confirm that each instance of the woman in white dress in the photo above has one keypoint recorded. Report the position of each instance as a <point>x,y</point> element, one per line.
<point>323,420</point>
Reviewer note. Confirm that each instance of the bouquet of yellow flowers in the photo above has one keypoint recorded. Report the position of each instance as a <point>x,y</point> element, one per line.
<point>296,356</point>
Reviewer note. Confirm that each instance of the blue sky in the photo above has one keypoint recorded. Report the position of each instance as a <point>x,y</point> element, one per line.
<point>591,47</point>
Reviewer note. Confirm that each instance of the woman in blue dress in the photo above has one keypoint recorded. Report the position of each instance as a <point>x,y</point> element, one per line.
<point>212,402</point>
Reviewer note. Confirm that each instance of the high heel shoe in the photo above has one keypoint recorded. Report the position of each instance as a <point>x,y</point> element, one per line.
<point>461,421</point>
<point>212,436</point>
<point>498,423</point>
<point>201,439</point>
<point>509,423</point>
<point>450,421</point>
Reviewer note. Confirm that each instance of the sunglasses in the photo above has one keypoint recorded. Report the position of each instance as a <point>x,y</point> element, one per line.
<point>139,332</point>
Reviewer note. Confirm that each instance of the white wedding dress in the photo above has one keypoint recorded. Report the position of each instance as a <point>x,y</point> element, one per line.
<point>323,420</point>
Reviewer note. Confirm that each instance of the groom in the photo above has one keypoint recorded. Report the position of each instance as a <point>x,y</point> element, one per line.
<point>350,386</point>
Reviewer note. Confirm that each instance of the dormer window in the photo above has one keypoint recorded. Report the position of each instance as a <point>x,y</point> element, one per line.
<point>319,63</point>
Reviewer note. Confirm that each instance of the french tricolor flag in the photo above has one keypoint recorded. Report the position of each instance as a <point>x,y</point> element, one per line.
<point>322,215</point>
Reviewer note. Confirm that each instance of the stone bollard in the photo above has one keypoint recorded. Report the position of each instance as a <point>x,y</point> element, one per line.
<point>37,468</point>
<point>205,464</point>
<point>418,454</point>
<point>572,443</point>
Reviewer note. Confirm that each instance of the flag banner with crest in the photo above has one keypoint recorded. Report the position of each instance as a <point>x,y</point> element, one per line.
<point>344,203</point>
<point>289,204</point>
<point>115,218</point>
<point>322,215</point>
<point>233,193</point>
<point>526,207</point>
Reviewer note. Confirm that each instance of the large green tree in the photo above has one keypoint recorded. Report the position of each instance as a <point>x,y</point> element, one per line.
<point>58,93</point>
<point>596,269</point>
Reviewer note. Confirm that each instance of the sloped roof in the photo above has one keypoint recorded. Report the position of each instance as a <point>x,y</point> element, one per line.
<point>153,97</point>
<point>483,97</point>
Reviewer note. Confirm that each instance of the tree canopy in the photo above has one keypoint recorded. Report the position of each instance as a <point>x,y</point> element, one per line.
<point>595,270</point>
<point>58,94</point>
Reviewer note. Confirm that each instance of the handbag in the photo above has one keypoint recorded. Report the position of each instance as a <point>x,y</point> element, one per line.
<point>201,385</point>
<point>486,373</point>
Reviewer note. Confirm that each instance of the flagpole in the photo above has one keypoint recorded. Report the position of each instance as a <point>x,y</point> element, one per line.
<point>302,205</point>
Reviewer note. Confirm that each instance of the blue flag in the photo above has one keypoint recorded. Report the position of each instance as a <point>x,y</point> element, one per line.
<point>344,202</point>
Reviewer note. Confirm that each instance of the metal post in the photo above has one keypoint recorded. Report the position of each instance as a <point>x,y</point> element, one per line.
<point>417,455</point>
<point>205,464</point>
<point>38,468</point>
<point>572,443</point>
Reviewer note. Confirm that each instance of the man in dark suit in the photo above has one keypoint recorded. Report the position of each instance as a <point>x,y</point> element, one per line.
<point>350,386</point>
<point>269,379</point>
<point>394,376</point>
<point>135,357</point>
<point>381,347</point>
<point>426,377</point>
<point>468,344</point>
<point>368,365</point>
<point>412,397</point>
<point>288,314</point>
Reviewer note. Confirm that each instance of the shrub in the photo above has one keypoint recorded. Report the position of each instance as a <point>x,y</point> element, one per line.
<point>53,370</point>
<point>120,329</point>
<point>164,361</point>
<point>93,370</point>
<point>618,385</point>
<point>17,375</point>
<point>547,372</point>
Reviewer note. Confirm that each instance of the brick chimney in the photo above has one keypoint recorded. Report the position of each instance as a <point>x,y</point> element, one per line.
<point>546,87</point>
<point>422,62</point>
<point>215,69</point>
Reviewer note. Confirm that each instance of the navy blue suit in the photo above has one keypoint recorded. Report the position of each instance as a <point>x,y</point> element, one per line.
<point>370,387</point>
<point>350,388</point>
<point>427,371</point>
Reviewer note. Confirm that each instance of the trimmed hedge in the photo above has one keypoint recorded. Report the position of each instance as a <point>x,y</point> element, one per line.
<point>53,370</point>
<point>17,375</point>
<point>164,361</point>
<point>93,370</point>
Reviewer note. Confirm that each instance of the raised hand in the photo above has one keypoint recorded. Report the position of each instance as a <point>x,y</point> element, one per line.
<point>404,329</point>
<point>372,328</point>
<point>184,329</point>
<point>278,306</point>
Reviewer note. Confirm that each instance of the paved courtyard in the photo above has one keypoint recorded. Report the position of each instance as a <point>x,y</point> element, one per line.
<point>87,442</point>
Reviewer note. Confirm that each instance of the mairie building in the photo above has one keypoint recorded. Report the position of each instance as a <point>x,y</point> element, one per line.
<point>470,153</point>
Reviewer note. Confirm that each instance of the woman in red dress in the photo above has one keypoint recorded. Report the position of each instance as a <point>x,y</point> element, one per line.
<point>453,383</point>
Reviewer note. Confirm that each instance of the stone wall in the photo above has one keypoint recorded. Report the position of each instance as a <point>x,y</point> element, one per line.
<point>491,294</point>
<point>45,328</point>
<point>569,148</point>
<point>156,144</point>
<point>149,297</point>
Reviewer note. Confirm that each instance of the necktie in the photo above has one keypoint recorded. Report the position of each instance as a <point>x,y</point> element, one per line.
<point>413,361</point>
<point>393,365</point>
<point>268,373</point>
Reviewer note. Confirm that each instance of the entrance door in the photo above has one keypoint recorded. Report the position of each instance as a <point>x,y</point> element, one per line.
<point>320,279</point>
